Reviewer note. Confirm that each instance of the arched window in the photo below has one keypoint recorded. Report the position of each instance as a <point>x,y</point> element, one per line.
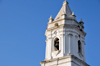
<point>79,47</point>
<point>56,44</point>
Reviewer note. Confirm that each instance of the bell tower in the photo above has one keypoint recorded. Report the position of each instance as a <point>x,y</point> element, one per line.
<point>65,43</point>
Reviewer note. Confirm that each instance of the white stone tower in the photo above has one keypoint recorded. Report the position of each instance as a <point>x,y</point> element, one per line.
<point>65,40</point>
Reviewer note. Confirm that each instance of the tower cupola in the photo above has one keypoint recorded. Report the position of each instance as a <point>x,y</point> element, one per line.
<point>65,40</point>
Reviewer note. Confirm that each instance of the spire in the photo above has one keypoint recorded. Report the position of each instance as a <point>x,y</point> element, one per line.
<point>65,8</point>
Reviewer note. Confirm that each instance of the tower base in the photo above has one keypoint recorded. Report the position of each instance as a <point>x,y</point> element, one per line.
<point>69,60</point>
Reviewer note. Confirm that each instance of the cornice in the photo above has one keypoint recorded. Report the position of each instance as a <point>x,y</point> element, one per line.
<point>62,19</point>
<point>74,27</point>
<point>70,34</point>
<point>67,26</point>
<point>55,59</point>
<point>55,27</point>
<point>65,57</point>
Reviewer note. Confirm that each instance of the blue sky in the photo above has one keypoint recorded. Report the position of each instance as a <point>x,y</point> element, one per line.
<point>23,24</point>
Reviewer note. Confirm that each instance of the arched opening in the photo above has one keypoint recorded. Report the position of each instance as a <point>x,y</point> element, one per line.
<point>56,44</point>
<point>79,47</point>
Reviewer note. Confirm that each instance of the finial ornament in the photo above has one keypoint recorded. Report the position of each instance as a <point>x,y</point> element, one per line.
<point>51,16</point>
<point>73,13</point>
<point>50,19</point>
<point>81,20</point>
<point>65,2</point>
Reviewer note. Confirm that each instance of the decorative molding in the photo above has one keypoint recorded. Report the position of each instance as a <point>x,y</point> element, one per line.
<point>63,19</point>
<point>80,54</point>
<point>50,38</point>
<point>76,36</point>
<point>56,52</point>
<point>65,57</point>
<point>70,34</point>
<point>55,32</point>
<point>67,26</point>
<point>82,40</point>
<point>69,54</point>
<point>71,31</point>
<point>62,34</point>
<point>53,28</point>
<point>46,40</point>
<point>82,37</point>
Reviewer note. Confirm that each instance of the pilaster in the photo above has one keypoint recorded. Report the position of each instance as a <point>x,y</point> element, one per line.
<point>70,43</point>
